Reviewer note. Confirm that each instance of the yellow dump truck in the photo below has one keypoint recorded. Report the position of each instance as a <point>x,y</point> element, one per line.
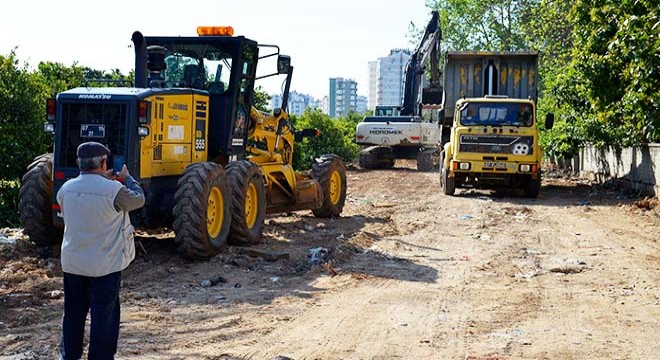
<point>490,135</point>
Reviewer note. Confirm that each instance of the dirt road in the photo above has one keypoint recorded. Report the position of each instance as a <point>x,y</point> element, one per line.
<point>483,275</point>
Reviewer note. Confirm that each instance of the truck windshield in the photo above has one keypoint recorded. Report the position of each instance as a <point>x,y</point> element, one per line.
<point>497,114</point>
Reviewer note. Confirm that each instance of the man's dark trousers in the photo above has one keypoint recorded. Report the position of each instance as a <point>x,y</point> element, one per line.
<point>101,295</point>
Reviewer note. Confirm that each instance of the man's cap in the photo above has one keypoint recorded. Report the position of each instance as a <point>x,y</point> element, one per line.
<point>92,149</point>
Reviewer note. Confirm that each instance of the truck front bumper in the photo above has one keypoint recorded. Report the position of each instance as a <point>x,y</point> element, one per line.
<point>494,167</point>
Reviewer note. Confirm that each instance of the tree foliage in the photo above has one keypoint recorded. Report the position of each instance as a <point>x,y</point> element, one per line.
<point>599,62</point>
<point>22,114</point>
<point>337,137</point>
<point>261,99</point>
<point>484,24</point>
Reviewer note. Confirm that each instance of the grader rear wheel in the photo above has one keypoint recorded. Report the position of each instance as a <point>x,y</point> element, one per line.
<point>425,160</point>
<point>330,172</point>
<point>35,198</point>
<point>248,202</point>
<point>202,210</point>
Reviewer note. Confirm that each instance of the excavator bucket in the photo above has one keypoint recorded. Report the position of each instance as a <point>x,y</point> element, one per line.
<point>432,96</point>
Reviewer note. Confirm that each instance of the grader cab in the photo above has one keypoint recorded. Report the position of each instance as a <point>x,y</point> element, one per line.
<point>211,164</point>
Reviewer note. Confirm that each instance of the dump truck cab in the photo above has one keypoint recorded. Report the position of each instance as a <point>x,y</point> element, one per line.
<point>493,139</point>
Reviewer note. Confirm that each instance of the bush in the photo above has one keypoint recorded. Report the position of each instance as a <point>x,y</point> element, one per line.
<point>9,203</point>
<point>337,137</point>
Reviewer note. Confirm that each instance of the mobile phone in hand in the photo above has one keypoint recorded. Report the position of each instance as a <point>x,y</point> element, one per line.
<point>117,163</point>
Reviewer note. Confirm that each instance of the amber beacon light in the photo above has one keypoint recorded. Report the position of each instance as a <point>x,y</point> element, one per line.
<point>215,31</point>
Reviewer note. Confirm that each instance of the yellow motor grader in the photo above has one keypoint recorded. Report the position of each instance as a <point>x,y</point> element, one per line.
<point>211,164</point>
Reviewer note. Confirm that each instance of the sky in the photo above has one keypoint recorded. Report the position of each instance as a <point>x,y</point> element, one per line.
<point>329,38</point>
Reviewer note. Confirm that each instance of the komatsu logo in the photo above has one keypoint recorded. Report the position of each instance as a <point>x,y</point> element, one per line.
<point>95,96</point>
<point>386,132</point>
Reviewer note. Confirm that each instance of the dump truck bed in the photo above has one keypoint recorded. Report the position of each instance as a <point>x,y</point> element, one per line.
<point>466,75</point>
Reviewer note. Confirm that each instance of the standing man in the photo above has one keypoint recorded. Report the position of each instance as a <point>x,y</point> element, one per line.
<point>97,246</point>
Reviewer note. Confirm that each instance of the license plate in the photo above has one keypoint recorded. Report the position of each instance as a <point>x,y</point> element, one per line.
<point>494,165</point>
<point>92,131</point>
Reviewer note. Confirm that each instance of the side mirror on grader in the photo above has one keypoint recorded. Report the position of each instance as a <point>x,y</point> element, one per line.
<point>283,64</point>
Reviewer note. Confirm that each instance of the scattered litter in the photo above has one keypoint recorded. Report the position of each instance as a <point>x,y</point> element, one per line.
<point>465,258</point>
<point>384,205</point>
<point>213,282</point>
<point>466,217</point>
<point>274,278</point>
<point>340,237</point>
<point>317,255</point>
<point>520,216</point>
<point>237,285</point>
<point>7,241</point>
<point>425,341</point>
<point>484,198</point>
<point>329,267</point>
<point>584,203</point>
<point>309,227</point>
<point>55,294</point>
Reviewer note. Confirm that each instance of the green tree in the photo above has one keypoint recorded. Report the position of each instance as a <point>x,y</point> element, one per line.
<point>57,77</point>
<point>261,99</point>
<point>495,25</point>
<point>22,114</point>
<point>611,88</point>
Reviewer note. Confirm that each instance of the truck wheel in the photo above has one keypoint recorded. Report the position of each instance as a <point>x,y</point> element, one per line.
<point>201,210</point>
<point>248,202</point>
<point>533,187</point>
<point>367,161</point>
<point>35,202</point>
<point>388,164</point>
<point>330,172</point>
<point>446,182</point>
<point>425,160</point>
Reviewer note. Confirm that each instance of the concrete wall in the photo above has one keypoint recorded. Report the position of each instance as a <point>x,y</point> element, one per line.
<point>637,168</point>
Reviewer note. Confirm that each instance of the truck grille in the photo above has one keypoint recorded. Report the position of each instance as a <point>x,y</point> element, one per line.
<point>494,144</point>
<point>74,115</point>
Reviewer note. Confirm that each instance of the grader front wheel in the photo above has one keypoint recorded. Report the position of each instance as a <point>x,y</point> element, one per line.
<point>330,172</point>
<point>202,210</point>
<point>248,202</point>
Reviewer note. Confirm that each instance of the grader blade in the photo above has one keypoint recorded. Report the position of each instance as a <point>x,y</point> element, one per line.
<point>309,196</point>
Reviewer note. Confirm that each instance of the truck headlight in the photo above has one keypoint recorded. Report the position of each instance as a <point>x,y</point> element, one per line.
<point>49,128</point>
<point>464,166</point>
<point>143,131</point>
<point>525,168</point>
